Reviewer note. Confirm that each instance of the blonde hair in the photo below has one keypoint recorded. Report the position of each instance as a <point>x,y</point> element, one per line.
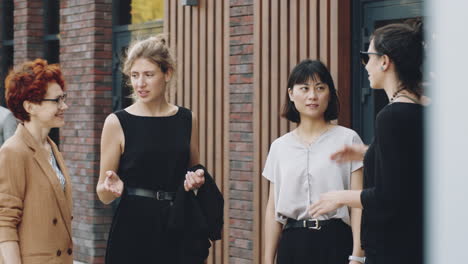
<point>154,49</point>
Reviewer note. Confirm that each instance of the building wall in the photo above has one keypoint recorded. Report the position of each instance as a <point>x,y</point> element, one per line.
<point>241,89</point>
<point>86,59</point>
<point>198,36</point>
<point>233,60</point>
<point>28,30</point>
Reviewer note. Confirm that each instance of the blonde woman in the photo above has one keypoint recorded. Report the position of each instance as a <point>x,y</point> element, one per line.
<point>148,153</point>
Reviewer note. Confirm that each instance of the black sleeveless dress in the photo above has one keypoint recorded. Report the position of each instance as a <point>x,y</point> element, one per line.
<point>156,157</point>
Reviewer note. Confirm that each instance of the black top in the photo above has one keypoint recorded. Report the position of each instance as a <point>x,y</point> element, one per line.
<point>392,199</point>
<point>156,157</point>
<point>157,150</point>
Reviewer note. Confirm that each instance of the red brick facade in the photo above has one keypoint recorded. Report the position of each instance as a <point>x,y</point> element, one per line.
<point>28,30</point>
<point>86,59</point>
<point>240,132</point>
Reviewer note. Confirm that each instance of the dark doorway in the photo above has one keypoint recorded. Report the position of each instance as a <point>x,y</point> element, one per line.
<point>368,16</point>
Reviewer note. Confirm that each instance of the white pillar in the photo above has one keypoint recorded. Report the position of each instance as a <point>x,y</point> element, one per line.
<point>447,133</point>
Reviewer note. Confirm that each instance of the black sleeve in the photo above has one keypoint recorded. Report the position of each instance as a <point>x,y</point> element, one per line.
<point>395,159</point>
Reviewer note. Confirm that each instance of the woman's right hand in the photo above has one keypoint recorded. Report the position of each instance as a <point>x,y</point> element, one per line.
<point>349,153</point>
<point>113,184</point>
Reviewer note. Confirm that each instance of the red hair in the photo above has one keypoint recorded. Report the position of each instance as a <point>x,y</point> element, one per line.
<point>29,82</point>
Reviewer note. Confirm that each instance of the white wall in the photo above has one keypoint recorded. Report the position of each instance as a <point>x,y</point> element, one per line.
<point>447,138</point>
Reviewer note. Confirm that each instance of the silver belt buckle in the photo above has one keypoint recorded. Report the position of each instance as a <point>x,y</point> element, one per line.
<point>316,227</point>
<point>158,195</point>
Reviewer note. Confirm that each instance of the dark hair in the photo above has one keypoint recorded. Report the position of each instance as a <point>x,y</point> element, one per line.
<point>403,44</point>
<point>302,72</point>
<point>29,82</point>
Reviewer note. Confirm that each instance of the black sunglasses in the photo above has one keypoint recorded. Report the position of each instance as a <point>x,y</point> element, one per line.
<point>365,56</point>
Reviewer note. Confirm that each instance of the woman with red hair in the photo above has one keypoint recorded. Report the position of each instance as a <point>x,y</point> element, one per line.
<point>35,191</point>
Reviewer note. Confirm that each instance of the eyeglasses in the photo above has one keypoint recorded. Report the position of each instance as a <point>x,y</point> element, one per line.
<point>365,56</point>
<point>59,100</point>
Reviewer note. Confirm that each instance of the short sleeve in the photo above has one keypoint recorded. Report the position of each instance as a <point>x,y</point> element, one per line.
<point>269,169</point>
<point>12,187</point>
<point>356,165</point>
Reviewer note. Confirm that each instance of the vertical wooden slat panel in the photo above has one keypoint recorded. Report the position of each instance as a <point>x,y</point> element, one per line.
<point>203,69</point>
<point>167,25</point>
<point>333,66</point>
<point>166,31</point>
<point>218,121</point>
<point>194,69</point>
<point>293,40</point>
<point>187,56</point>
<point>257,116</point>
<point>313,29</point>
<point>210,87</point>
<point>266,95</point>
<point>293,33</point>
<point>324,31</point>
<point>275,87</point>
<point>199,37</point>
<point>303,29</point>
<point>226,120</point>
<point>173,45</point>
<point>284,69</point>
<point>180,54</point>
<point>343,61</point>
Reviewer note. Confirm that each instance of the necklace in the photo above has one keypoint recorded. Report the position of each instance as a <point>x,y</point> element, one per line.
<point>395,95</point>
<point>398,95</point>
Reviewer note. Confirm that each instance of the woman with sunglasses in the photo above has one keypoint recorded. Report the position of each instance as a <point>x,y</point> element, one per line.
<point>392,198</point>
<point>299,170</point>
<point>35,190</point>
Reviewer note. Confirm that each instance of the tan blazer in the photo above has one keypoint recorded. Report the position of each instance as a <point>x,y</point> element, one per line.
<point>34,209</point>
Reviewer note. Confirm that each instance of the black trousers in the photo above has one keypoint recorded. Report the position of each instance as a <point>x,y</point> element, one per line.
<point>411,258</point>
<point>330,245</point>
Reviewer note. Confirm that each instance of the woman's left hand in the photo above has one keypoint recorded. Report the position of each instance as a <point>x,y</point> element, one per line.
<point>194,180</point>
<point>328,202</point>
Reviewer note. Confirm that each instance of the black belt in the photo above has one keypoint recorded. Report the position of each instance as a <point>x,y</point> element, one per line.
<point>310,223</point>
<point>158,195</point>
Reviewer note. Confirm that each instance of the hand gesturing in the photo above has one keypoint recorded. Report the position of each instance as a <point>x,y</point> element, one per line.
<point>350,153</point>
<point>113,184</point>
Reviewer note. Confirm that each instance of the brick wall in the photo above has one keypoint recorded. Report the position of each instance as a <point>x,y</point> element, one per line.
<point>28,30</point>
<point>241,134</point>
<point>2,74</point>
<point>86,59</point>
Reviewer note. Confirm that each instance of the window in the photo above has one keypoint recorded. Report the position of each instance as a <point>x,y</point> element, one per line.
<point>6,45</point>
<point>51,30</point>
<point>52,44</point>
<point>138,11</point>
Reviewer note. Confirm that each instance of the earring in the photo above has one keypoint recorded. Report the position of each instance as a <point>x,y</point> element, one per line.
<point>382,68</point>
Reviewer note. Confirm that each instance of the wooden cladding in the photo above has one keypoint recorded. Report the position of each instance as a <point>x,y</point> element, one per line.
<point>199,38</point>
<point>286,32</point>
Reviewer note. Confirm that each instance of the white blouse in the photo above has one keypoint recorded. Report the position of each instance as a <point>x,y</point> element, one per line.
<point>300,173</point>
